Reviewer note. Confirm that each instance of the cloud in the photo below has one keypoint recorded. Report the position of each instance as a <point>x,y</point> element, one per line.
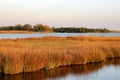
<point>7,1</point>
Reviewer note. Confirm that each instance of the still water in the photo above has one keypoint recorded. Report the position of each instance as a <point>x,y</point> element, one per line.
<point>108,70</point>
<point>56,34</point>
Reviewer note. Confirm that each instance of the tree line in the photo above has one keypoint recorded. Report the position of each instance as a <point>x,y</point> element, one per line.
<point>80,30</point>
<point>28,27</point>
<point>46,28</point>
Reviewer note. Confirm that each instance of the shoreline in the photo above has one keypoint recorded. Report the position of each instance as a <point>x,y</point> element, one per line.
<point>33,54</point>
<point>63,71</point>
<point>33,32</point>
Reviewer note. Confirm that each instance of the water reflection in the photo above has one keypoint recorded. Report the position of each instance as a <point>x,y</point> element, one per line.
<point>93,71</point>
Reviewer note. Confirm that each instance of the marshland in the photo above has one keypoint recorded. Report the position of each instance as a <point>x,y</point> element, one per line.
<point>23,55</point>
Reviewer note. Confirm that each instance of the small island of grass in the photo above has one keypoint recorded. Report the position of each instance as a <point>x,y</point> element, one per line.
<point>33,54</point>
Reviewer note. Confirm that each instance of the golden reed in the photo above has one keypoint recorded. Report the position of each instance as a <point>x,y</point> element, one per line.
<point>32,54</point>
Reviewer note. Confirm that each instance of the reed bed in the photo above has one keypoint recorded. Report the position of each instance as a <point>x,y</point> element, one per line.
<point>32,54</point>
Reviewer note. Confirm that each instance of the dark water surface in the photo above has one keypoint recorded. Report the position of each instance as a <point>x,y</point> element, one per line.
<point>56,34</point>
<point>108,70</point>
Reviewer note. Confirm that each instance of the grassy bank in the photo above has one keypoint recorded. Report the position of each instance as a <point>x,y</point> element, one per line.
<point>13,32</point>
<point>63,71</point>
<point>32,54</point>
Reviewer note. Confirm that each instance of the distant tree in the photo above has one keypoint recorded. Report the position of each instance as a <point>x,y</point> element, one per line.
<point>106,30</point>
<point>42,28</point>
<point>83,30</point>
<point>10,27</point>
<point>27,27</point>
<point>18,27</point>
<point>3,28</point>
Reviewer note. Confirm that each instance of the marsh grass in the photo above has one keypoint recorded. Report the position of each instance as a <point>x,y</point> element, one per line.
<point>32,54</point>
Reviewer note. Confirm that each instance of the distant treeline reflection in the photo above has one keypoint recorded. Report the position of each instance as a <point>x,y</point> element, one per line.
<point>62,71</point>
<point>46,28</point>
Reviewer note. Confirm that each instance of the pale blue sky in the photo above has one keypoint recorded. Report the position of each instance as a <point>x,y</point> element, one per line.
<point>85,13</point>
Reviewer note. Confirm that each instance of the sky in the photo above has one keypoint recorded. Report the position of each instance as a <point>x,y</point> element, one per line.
<point>79,13</point>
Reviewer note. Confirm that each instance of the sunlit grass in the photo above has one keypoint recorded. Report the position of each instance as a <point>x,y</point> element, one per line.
<point>32,54</point>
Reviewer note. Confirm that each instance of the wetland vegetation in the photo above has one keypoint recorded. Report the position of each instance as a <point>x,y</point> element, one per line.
<point>33,54</point>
